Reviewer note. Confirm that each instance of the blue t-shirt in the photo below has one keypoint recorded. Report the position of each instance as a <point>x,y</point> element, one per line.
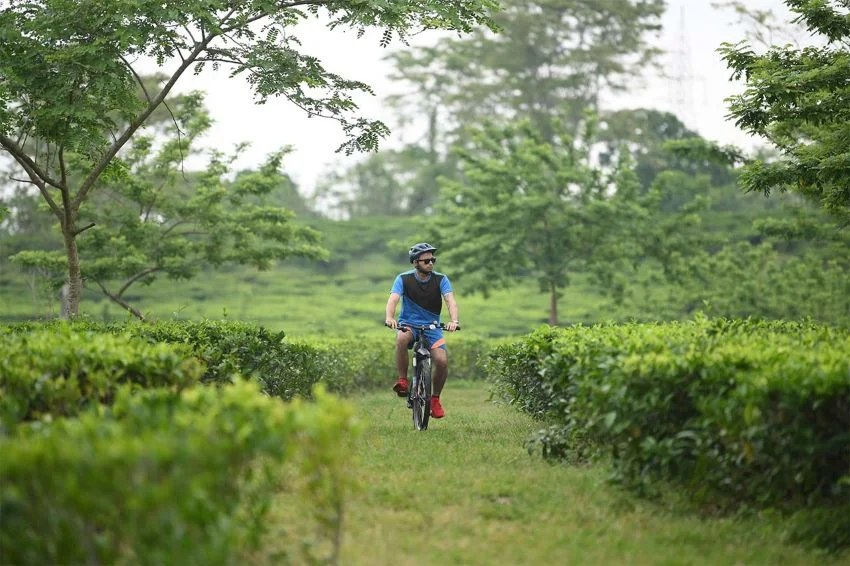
<point>421,301</point>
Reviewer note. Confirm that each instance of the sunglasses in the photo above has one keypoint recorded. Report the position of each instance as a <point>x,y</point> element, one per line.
<point>429,260</point>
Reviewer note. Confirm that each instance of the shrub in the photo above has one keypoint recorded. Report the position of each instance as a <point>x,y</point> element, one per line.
<point>348,365</point>
<point>284,368</point>
<point>60,370</point>
<point>739,412</point>
<point>227,348</point>
<point>166,478</point>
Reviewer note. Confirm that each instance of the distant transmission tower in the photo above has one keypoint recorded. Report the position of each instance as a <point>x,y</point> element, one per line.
<point>681,79</point>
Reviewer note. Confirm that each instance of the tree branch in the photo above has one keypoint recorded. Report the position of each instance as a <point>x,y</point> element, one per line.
<point>120,301</point>
<point>29,165</point>
<point>136,277</point>
<point>189,33</point>
<point>83,229</point>
<point>92,177</point>
<point>172,227</point>
<point>138,78</point>
<point>283,6</point>
<point>219,60</point>
<point>38,182</point>
<point>199,48</point>
<point>63,172</point>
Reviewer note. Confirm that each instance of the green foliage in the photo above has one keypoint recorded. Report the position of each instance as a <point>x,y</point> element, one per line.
<point>164,477</point>
<point>515,368</point>
<point>290,368</point>
<point>153,220</point>
<point>647,133</point>
<point>796,98</point>
<point>70,89</point>
<point>49,264</point>
<point>700,150</point>
<point>358,241</point>
<point>393,182</point>
<point>526,206</point>
<point>736,412</point>
<point>742,278</point>
<point>228,351</point>
<point>58,372</point>
<point>549,61</point>
<point>356,364</point>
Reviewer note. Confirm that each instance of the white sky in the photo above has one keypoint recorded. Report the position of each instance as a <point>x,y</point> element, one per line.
<point>693,30</point>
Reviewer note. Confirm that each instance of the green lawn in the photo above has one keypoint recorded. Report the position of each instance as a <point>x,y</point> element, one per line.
<point>466,492</point>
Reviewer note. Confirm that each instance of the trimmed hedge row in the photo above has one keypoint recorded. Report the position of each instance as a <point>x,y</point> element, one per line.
<point>740,412</point>
<point>349,365</point>
<point>167,478</point>
<point>57,368</point>
<point>287,368</point>
<point>60,371</point>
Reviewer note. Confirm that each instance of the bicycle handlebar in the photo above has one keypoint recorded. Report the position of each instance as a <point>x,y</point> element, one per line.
<point>432,326</point>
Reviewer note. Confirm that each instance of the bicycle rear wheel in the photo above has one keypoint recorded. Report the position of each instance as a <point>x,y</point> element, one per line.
<point>421,395</point>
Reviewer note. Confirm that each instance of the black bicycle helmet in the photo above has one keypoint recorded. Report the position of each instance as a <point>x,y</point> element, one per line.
<point>418,249</point>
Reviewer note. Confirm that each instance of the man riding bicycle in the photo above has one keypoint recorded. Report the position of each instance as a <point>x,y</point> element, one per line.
<point>422,291</point>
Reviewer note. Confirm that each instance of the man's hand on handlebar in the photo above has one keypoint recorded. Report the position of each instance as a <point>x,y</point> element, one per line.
<point>451,327</point>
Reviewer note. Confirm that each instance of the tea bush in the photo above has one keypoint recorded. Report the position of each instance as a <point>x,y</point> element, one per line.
<point>167,478</point>
<point>60,370</point>
<point>288,368</point>
<point>285,368</point>
<point>349,365</point>
<point>738,412</point>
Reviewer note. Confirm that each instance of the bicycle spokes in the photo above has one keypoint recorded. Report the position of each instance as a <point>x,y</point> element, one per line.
<point>421,395</point>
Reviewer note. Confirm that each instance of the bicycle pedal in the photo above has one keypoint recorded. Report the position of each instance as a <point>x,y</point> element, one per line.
<point>409,404</point>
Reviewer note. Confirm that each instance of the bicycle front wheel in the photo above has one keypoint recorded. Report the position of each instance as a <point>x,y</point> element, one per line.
<point>421,395</point>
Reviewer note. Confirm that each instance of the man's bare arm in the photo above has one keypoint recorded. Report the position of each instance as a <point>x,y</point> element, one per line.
<point>452,304</point>
<point>392,303</point>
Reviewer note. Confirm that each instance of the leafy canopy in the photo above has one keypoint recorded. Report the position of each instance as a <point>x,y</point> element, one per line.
<point>67,79</point>
<point>526,206</point>
<point>68,89</point>
<point>799,100</point>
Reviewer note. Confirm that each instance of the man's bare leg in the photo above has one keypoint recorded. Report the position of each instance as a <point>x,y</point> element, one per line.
<point>440,371</point>
<point>402,360</point>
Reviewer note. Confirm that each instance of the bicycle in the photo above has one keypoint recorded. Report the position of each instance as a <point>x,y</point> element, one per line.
<point>420,389</point>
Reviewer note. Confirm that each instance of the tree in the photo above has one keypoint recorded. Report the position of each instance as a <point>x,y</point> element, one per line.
<point>526,206</point>
<point>550,60</point>
<point>67,80</point>
<point>393,182</point>
<point>158,220</point>
<point>645,132</point>
<point>799,100</point>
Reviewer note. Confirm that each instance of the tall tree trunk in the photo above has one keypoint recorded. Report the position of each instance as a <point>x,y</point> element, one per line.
<point>73,290</point>
<point>553,304</point>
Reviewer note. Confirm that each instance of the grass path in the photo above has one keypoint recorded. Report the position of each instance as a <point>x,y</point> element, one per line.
<point>466,492</point>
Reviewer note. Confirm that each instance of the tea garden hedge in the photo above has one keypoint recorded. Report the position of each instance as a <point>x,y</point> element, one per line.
<point>737,414</point>
<point>179,431</point>
<point>175,432</point>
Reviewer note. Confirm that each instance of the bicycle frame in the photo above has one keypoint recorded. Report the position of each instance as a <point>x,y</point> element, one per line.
<point>421,386</point>
<point>419,392</point>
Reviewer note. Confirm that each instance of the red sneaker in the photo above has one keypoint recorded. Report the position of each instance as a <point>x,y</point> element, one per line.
<point>436,409</point>
<point>400,387</point>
